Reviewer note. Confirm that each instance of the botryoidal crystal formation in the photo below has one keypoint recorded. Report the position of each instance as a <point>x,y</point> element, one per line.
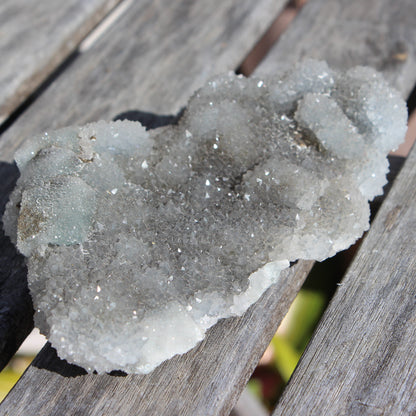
<point>138,241</point>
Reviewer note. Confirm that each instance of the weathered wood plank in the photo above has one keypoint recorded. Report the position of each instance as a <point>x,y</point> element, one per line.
<point>348,33</point>
<point>169,50</point>
<point>202,382</point>
<point>156,63</point>
<point>378,33</point>
<point>362,359</point>
<point>123,69</point>
<point>35,37</point>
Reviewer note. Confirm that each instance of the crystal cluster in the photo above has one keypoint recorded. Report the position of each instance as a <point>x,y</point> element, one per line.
<point>138,241</point>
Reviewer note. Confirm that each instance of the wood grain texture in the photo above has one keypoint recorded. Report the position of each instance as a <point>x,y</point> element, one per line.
<point>151,59</point>
<point>122,70</point>
<point>37,36</point>
<point>205,381</point>
<point>362,359</point>
<point>358,361</point>
<point>378,33</point>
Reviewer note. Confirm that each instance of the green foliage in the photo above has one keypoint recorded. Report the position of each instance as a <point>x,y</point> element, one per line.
<point>296,330</point>
<point>288,344</point>
<point>285,357</point>
<point>303,316</point>
<point>8,379</point>
<point>255,387</point>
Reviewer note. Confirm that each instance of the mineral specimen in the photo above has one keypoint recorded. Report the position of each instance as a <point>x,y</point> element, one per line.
<point>137,242</point>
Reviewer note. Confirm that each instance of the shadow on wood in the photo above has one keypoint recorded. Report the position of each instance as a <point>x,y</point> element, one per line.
<point>16,310</point>
<point>48,359</point>
<point>150,120</point>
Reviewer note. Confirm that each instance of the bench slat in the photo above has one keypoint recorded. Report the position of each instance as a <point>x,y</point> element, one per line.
<point>205,381</point>
<point>142,62</point>
<point>37,36</point>
<point>362,359</point>
<point>345,33</point>
<point>151,59</point>
<point>147,60</point>
<point>382,34</point>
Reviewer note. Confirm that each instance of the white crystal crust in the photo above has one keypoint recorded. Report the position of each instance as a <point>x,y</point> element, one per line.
<point>138,241</point>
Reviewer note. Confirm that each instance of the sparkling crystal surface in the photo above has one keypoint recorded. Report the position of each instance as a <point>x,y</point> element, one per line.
<point>138,241</point>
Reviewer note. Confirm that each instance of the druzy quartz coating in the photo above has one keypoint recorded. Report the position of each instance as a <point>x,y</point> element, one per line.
<point>138,241</point>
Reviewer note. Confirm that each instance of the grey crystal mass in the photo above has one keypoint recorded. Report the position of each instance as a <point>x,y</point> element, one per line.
<point>137,242</point>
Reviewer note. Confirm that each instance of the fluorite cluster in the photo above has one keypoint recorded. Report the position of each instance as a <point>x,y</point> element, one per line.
<point>138,241</point>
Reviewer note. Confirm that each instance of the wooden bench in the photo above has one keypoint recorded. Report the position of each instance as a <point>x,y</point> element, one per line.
<point>362,358</point>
